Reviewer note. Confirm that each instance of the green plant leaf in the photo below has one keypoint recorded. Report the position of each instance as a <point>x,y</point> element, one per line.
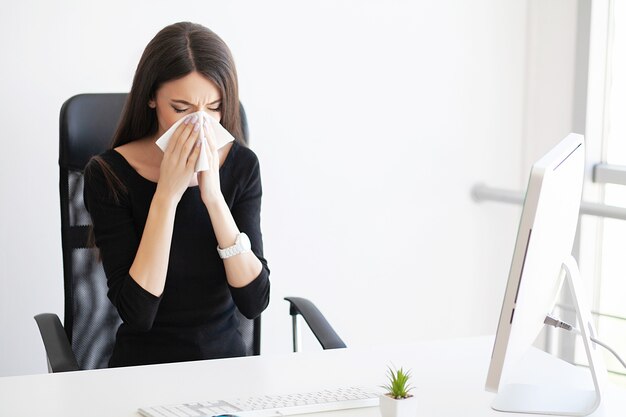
<point>398,386</point>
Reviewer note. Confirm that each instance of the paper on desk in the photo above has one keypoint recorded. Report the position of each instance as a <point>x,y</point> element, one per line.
<point>221,136</point>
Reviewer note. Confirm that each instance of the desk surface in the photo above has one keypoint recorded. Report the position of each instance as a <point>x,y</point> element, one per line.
<point>449,376</point>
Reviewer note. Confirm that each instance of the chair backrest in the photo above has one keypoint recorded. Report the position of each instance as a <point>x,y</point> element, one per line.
<point>87,125</point>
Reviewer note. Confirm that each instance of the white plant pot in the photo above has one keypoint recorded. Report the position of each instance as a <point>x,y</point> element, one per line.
<point>390,407</point>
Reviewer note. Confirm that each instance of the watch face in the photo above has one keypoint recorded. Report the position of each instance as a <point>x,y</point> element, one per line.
<point>244,242</point>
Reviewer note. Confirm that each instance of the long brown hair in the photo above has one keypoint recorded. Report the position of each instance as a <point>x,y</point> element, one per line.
<point>178,50</point>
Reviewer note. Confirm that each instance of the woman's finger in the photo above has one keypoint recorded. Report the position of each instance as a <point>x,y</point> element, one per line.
<point>194,155</point>
<point>172,142</point>
<point>188,126</point>
<point>189,143</point>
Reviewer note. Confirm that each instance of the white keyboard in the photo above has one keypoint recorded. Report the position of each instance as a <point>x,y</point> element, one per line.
<point>271,405</point>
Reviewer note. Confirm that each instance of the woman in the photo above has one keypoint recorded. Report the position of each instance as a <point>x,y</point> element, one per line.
<point>159,226</point>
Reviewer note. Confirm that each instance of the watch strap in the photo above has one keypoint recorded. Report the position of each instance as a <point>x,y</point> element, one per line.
<point>242,244</point>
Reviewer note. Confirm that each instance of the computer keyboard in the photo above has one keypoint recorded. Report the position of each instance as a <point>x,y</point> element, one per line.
<point>272,405</point>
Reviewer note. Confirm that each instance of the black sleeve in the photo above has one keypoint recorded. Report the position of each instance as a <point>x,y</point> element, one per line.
<point>118,241</point>
<point>252,299</point>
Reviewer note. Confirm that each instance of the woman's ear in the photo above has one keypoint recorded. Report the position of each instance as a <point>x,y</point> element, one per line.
<point>152,104</point>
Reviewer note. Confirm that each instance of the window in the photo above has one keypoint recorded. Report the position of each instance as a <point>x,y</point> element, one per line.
<point>608,255</point>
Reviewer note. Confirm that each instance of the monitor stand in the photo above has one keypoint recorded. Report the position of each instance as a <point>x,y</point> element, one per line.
<point>561,399</point>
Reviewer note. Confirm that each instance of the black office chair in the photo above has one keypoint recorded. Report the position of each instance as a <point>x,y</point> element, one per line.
<point>87,124</point>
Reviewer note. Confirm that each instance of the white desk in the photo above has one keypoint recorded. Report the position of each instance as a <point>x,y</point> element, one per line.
<point>449,376</point>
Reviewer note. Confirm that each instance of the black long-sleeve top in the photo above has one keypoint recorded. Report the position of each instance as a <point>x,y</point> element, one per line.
<point>195,317</point>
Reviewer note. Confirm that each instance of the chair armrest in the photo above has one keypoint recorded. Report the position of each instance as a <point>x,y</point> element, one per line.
<point>316,321</point>
<point>60,355</point>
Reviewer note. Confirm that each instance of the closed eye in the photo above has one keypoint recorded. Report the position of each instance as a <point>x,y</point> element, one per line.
<point>177,110</point>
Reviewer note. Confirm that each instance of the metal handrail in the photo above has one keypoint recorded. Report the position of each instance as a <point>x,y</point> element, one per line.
<point>481,192</point>
<point>609,174</point>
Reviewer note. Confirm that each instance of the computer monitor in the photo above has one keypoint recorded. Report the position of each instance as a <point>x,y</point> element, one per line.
<point>543,247</point>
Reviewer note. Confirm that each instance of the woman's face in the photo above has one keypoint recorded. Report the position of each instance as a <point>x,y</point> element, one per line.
<point>177,98</point>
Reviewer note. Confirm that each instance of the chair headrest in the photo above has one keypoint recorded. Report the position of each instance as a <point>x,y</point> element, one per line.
<point>87,125</point>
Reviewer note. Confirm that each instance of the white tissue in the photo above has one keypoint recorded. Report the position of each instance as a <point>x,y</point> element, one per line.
<point>215,129</point>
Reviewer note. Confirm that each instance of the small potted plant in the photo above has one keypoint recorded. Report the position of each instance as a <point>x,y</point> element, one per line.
<point>397,401</point>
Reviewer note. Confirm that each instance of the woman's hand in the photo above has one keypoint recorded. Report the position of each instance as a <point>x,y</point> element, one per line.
<point>179,160</point>
<point>209,180</point>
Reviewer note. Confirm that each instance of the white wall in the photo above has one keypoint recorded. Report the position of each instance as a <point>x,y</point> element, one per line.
<point>372,120</point>
<point>557,62</point>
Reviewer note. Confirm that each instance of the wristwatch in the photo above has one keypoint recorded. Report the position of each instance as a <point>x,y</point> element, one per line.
<point>242,244</point>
